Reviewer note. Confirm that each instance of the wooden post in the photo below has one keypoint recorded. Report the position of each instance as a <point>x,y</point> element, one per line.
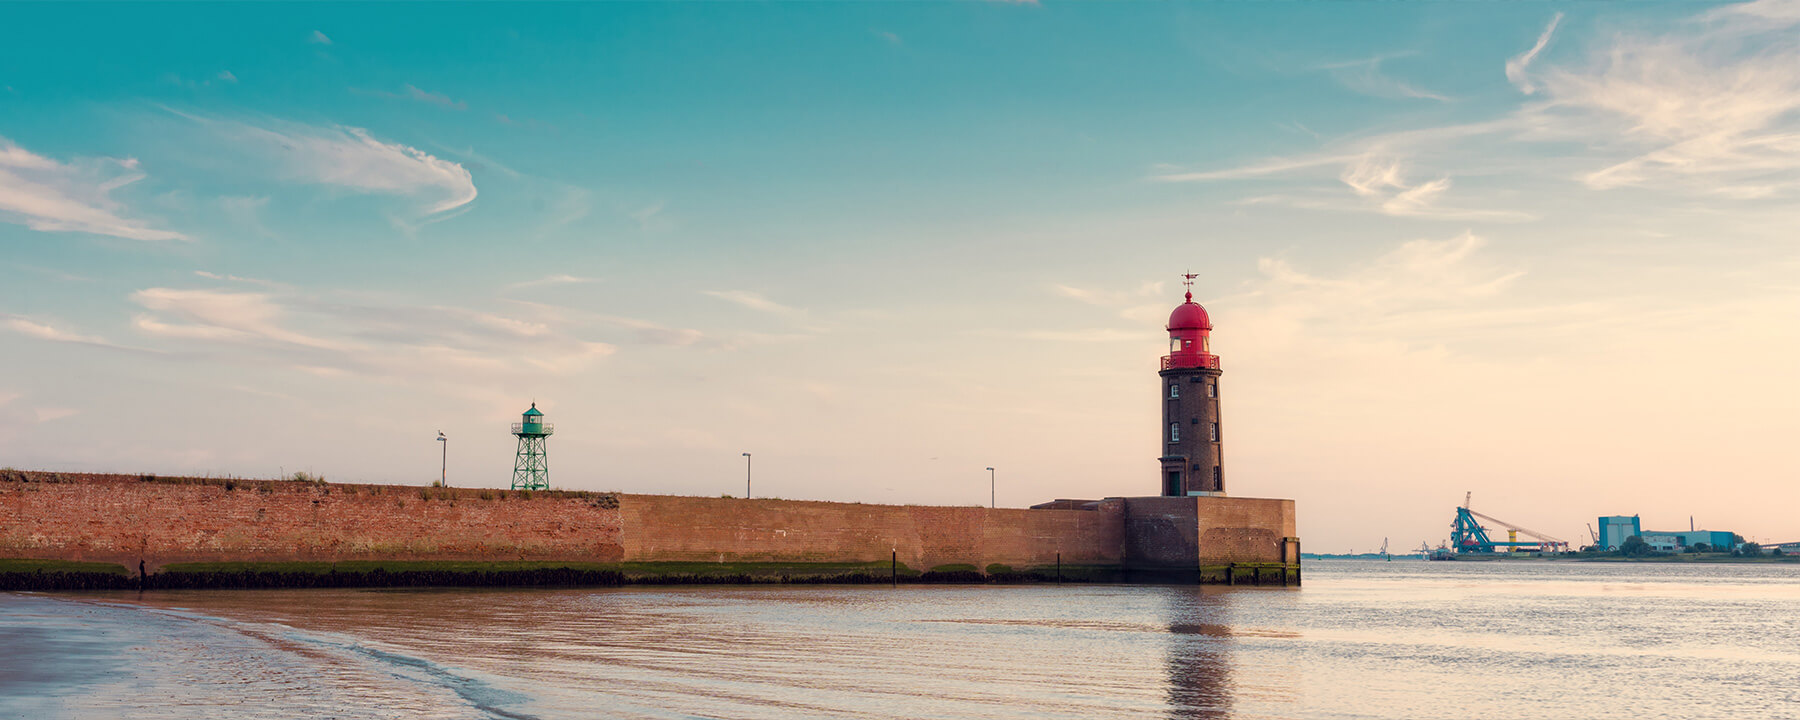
<point>1059,568</point>
<point>1231,573</point>
<point>894,567</point>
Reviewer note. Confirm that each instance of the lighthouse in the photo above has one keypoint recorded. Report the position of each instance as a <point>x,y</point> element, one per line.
<point>531,466</point>
<point>1192,461</point>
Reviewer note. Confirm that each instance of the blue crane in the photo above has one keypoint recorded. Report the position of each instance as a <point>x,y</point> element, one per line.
<point>1468,536</point>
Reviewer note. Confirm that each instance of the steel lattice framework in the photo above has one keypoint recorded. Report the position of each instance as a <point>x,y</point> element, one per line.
<point>531,468</point>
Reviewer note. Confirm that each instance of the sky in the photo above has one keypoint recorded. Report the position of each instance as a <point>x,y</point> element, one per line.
<point>1541,252</point>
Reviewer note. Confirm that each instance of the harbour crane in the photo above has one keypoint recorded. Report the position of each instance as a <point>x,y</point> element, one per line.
<point>1468,536</point>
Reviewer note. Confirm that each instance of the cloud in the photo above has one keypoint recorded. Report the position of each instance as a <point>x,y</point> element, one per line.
<point>1518,64</point>
<point>1711,106</point>
<point>558,279</point>
<point>45,331</point>
<point>234,278</point>
<point>1094,335</point>
<point>1377,179</point>
<point>52,196</point>
<point>1148,302</point>
<point>412,92</point>
<point>1420,291</point>
<point>220,315</point>
<point>226,76</point>
<point>363,337</point>
<point>47,414</point>
<point>318,38</point>
<point>1708,109</point>
<point>347,157</point>
<point>1274,166</point>
<point>646,216</point>
<point>1365,76</point>
<point>26,326</point>
<point>752,300</point>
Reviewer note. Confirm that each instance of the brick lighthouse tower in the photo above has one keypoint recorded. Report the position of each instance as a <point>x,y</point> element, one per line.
<point>1192,462</point>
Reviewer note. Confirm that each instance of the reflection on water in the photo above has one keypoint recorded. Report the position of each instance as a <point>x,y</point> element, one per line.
<point>1361,640</point>
<point>1199,664</point>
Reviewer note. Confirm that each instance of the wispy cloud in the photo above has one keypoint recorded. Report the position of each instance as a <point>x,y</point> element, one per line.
<point>753,300</point>
<point>55,274</point>
<point>412,92</point>
<point>1708,109</point>
<point>235,279</point>
<point>45,194</point>
<point>1377,178</point>
<point>1712,106</point>
<point>1137,305</point>
<point>48,414</point>
<point>557,279</point>
<point>1365,76</point>
<point>227,76</point>
<point>318,38</point>
<point>646,216</point>
<point>220,315</point>
<point>44,330</point>
<point>41,331</point>
<point>1518,64</point>
<point>364,337</point>
<point>346,157</point>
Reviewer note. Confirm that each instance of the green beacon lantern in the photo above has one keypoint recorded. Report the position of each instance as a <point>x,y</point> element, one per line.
<point>531,468</point>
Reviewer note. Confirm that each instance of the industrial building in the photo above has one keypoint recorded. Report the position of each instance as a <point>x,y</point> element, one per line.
<point>1615,528</point>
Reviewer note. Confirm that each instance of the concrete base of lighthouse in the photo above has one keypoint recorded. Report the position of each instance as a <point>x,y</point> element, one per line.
<point>1201,539</point>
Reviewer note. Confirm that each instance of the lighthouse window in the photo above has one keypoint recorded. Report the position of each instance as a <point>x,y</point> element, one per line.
<point>1174,344</point>
<point>1174,391</point>
<point>1215,432</point>
<point>1174,432</point>
<point>1212,390</point>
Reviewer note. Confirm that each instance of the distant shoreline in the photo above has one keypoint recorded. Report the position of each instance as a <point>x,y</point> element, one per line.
<point>1708,558</point>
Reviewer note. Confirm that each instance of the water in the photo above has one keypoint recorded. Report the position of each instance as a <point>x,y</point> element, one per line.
<point>1363,639</point>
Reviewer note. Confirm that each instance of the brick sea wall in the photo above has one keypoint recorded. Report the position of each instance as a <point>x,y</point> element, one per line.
<point>669,528</point>
<point>125,518</point>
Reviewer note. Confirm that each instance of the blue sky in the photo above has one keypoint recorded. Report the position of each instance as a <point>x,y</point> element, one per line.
<point>1540,251</point>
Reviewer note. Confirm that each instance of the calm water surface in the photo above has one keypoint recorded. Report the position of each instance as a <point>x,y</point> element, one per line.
<point>1363,639</point>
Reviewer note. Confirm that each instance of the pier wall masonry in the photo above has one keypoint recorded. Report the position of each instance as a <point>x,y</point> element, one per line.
<point>671,528</point>
<point>125,518</point>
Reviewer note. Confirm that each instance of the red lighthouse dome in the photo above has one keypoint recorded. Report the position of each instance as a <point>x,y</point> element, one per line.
<point>1190,337</point>
<point>1189,316</point>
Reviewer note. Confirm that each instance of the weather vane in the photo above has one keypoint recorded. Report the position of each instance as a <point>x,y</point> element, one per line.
<point>1189,282</point>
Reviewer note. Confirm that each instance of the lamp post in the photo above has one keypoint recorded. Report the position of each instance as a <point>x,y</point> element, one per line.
<point>746,476</point>
<point>991,502</point>
<point>444,461</point>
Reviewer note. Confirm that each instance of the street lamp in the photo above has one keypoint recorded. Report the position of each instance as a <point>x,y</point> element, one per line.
<point>444,462</point>
<point>746,476</point>
<point>991,502</point>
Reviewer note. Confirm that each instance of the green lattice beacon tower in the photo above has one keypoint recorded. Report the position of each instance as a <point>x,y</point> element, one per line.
<point>531,467</point>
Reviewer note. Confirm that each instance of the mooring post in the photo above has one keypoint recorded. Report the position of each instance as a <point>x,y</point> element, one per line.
<point>1230,573</point>
<point>1059,568</point>
<point>894,567</point>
